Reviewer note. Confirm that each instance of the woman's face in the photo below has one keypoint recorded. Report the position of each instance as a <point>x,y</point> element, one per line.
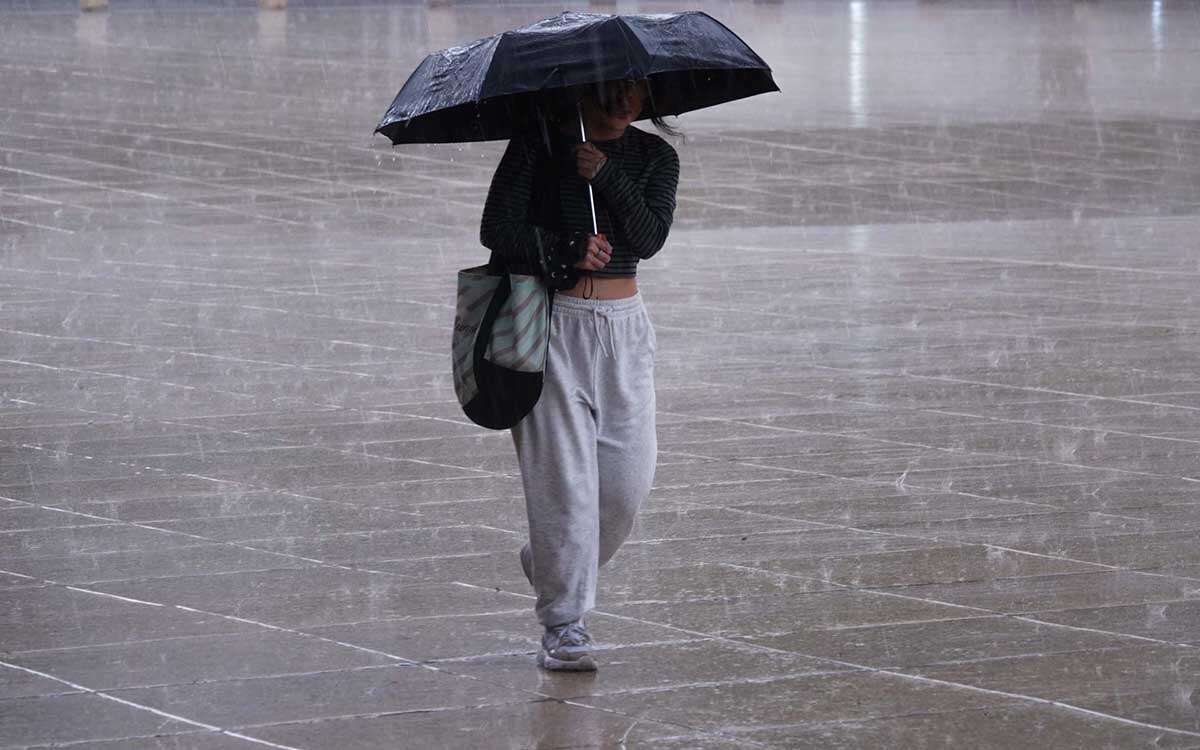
<point>621,103</point>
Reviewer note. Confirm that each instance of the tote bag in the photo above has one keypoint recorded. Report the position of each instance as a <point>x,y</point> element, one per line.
<point>501,335</point>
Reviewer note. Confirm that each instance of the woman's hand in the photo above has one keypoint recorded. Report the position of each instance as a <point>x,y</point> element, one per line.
<point>598,253</point>
<point>589,160</point>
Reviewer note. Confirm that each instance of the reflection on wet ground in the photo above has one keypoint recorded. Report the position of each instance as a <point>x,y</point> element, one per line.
<point>930,453</point>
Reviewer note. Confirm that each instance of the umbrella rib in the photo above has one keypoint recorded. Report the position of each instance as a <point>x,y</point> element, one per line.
<point>630,38</point>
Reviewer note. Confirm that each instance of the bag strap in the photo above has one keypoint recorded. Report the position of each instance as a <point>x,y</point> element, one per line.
<point>484,334</point>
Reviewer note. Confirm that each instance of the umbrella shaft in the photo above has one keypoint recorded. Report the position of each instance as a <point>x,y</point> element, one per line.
<point>591,197</point>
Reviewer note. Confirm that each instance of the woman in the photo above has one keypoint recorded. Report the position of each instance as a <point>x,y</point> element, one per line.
<point>587,450</point>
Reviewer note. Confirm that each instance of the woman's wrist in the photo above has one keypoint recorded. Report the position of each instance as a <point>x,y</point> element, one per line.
<point>598,176</point>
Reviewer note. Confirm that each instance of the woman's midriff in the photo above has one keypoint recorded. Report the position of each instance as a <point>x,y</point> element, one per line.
<point>603,287</point>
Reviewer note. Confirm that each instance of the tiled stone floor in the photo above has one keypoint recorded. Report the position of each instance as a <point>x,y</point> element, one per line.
<point>929,402</point>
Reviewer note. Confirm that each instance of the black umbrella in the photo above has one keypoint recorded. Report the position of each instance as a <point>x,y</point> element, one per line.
<point>493,87</point>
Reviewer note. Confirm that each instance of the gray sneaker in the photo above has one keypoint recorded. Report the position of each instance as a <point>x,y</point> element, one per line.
<point>567,648</point>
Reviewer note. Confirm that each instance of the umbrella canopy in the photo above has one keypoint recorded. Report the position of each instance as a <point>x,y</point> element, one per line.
<point>490,88</point>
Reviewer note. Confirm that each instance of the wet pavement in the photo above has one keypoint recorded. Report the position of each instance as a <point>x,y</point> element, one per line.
<point>928,395</point>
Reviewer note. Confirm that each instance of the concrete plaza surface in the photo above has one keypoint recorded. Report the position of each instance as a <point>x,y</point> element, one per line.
<point>929,402</point>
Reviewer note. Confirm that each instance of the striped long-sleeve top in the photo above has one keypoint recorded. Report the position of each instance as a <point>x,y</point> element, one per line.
<point>536,198</point>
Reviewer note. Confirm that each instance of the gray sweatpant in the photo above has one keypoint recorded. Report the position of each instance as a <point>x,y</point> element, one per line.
<point>587,450</point>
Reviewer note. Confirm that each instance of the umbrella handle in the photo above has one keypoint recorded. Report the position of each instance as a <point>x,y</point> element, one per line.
<point>583,139</point>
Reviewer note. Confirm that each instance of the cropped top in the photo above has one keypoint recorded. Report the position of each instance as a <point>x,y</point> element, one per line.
<point>537,198</point>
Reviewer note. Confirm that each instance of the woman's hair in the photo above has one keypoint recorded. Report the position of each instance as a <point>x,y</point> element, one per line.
<point>664,128</point>
<point>562,108</point>
<point>659,122</point>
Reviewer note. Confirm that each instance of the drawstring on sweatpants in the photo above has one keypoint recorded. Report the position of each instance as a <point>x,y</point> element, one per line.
<point>598,314</point>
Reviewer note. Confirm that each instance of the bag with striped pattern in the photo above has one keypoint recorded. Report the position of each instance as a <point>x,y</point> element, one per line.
<point>501,335</point>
